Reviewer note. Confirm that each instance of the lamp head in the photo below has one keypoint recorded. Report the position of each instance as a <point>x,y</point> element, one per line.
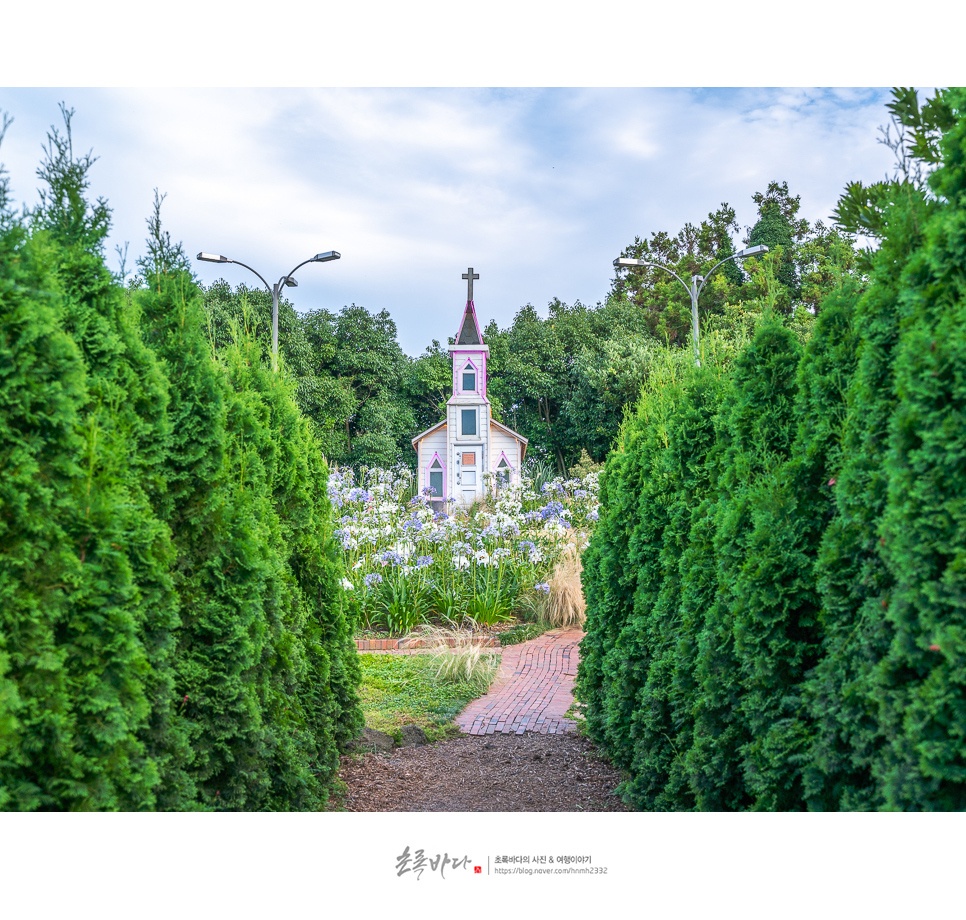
<point>291,282</point>
<point>329,256</point>
<point>211,257</point>
<point>627,263</point>
<point>753,251</point>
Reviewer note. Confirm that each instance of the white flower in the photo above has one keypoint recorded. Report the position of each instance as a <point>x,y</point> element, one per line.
<point>358,565</point>
<point>346,584</point>
<point>461,562</point>
<point>483,557</point>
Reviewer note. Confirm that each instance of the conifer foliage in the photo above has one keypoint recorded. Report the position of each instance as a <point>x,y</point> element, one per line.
<point>796,642</point>
<point>172,627</point>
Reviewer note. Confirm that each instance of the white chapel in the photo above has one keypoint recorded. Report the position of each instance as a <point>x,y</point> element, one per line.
<point>454,455</point>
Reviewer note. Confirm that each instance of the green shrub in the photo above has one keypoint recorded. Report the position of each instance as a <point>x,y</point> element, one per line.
<point>921,683</point>
<point>774,597</point>
<point>776,603</point>
<point>91,610</point>
<point>172,633</point>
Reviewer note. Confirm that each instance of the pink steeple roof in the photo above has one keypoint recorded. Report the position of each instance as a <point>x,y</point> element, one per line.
<point>469,332</point>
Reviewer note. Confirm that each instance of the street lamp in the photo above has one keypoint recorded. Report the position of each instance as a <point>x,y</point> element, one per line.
<point>287,280</point>
<point>694,290</point>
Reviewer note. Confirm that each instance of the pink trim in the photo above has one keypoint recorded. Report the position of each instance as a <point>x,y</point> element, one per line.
<point>512,470</point>
<point>472,309</point>
<point>505,457</point>
<point>427,468</point>
<point>459,375</point>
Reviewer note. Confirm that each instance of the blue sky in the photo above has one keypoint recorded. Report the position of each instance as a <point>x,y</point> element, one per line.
<point>538,189</point>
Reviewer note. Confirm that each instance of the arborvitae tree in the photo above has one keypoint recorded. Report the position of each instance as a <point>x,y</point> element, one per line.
<point>112,614</point>
<point>853,579</point>
<point>257,459</point>
<point>627,663</point>
<point>42,395</point>
<point>218,570</point>
<point>754,434</point>
<point>265,661</point>
<point>809,655</point>
<point>777,633</point>
<point>920,686</point>
<point>606,681</point>
<point>663,726</point>
<point>307,676</point>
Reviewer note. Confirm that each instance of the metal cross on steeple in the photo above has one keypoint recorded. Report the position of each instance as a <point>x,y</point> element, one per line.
<point>468,277</point>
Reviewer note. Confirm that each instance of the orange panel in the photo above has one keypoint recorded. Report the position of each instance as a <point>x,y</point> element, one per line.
<point>469,459</point>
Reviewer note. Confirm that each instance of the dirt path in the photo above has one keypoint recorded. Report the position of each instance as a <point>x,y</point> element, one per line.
<point>499,772</point>
<point>518,752</point>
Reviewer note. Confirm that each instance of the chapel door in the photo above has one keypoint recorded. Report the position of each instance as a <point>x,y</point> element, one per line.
<point>469,473</point>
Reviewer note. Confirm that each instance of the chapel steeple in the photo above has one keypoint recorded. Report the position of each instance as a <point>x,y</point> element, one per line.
<point>469,332</point>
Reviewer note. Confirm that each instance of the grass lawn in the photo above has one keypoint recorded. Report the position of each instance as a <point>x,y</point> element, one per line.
<point>402,690</point>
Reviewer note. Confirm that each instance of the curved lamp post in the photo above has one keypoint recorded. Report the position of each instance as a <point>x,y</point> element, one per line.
<point>695,289</point>
<point>286,280</point>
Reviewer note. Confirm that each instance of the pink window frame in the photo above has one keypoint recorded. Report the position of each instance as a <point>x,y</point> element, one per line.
<point>427,468</point>
<point>459,377</point>
<point>496,466</point>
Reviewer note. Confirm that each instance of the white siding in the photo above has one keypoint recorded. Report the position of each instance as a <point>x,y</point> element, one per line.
<point>500,442</point>
<point>431,444</point>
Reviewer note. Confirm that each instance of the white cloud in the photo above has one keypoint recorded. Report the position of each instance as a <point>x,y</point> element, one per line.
<point>538,189</point>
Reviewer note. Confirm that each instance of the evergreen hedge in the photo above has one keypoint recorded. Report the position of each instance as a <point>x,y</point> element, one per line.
<point>775,590</point>
<point>172,633</point>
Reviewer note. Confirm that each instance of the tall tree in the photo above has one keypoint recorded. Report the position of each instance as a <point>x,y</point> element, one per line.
<point>921,683</point>
<point>779,227</point>
<point>854,581</point>
<point>99,728</point>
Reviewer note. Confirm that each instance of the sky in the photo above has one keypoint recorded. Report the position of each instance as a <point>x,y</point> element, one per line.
<point>538,189</point>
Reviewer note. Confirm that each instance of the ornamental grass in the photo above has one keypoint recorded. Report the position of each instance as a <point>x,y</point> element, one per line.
<point>565,606</point>
<point>459,657</point>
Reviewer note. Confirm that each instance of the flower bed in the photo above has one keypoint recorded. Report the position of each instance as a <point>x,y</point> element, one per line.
<point>407,564</point>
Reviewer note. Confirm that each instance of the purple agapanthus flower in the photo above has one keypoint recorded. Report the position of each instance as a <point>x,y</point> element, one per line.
<point>372,579</point>
<point>551,509</point>
<point>423,561</point>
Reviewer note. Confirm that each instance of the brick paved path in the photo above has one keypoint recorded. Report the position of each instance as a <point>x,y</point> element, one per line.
<point>532,691</point>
